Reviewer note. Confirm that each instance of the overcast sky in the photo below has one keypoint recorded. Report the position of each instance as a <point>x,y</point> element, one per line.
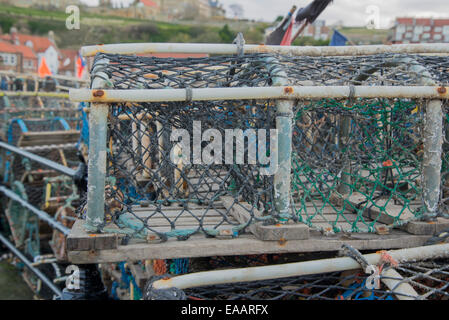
<point>351,12</point>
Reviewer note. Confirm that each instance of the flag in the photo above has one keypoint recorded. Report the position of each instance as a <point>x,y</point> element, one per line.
<point>280,35</point>
<point>338,39</point>
<point>80,65</point>
<point>312,11</point>
<point>287,40</point>
<point>43,69</point>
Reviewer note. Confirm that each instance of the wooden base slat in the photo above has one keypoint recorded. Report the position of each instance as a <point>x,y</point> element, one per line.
<point>275,232</point>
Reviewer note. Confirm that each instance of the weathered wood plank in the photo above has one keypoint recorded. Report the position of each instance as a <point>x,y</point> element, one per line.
<point>139,275</point>
<point>200,246</point>
<point>29,139</point>
<point>175,207</point>
<point>79,240</point>
<point>392,211</point>
<point>427,228</point>
<point>276,232</point>
<point>388,216</point>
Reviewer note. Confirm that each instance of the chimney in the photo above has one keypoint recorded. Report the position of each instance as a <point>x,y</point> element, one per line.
<point>14,36</point>
<point>51,36</point>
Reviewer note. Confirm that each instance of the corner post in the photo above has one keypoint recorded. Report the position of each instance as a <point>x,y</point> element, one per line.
<point>433,143</point>
<point>284,126</point>
<point>97,153</point>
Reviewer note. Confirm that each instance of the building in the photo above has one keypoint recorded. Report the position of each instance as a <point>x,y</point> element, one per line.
<point>217,10</point>
<point>185,9</point>
<point>17,58</point>
<point>419,30</point>
<point>42,3</point>
<point>67,62</point>
<point>317,30</point>
<point>147,9</point>
<point>41,46</point>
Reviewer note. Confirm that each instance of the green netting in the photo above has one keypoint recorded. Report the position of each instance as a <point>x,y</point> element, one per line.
<point>357,166</point>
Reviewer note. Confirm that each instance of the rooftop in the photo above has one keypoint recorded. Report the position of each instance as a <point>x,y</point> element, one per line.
<point>12,48</point>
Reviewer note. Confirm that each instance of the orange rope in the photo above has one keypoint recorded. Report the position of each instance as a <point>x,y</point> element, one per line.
<point>159,267</point>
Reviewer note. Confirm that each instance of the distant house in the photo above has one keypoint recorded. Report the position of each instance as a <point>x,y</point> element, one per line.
<point>17,58</point>
<point>42,3</point>
<point>420,30</point>
<point>148,9</point>
<point>41,46</point>
<point>317,30</point>
<point>186,9</point>
<point>217,10</point>
<point>67,62</point>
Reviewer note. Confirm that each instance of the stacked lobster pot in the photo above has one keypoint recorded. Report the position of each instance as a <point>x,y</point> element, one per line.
<point>264,160</point>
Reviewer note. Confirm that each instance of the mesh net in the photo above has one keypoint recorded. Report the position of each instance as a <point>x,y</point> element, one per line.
<point>429,279</point>
<point>356,163</point>
<point>38,113</point>
<point>352,158</point>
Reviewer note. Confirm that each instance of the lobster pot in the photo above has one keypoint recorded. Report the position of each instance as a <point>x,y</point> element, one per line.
<point>281,150</point>
<point>422,280</point>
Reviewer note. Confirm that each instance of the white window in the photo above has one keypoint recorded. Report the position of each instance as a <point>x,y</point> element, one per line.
<point>8,59</point>
<point>438,29</point>
<point>437,37</point>
<point>446,30</point>
<point>400,28</point>
<point>427,29</point>
<point>426,36</point>
<point>418,30</point>
<point>408,35</point>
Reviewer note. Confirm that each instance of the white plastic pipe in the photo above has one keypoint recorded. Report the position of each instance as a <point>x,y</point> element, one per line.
<point>34,94</point>
<point>296,269</point>
<point>207,48</point>
<point>285,92</point>
<point>402,290</point>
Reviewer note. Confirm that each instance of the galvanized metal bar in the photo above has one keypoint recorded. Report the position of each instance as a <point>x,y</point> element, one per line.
<point>284,126</point>
<point>97,153</point>
<point>432,161</point>
<point>433,141</point>
<point>41,214</point>
<point>35,76</point>
<point>207,48</point>
<point>34,94</point>
<point>45,162</point>
<point>297,269</point>
<point>30,266</point>
<point>247,93</point>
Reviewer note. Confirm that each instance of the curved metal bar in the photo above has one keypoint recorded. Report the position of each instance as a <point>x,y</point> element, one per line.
<point>48,163</point>
<point>41,214</point>
<point>29,265</point>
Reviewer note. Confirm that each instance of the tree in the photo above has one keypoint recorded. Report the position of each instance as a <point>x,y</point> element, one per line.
<point>226,34</point>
